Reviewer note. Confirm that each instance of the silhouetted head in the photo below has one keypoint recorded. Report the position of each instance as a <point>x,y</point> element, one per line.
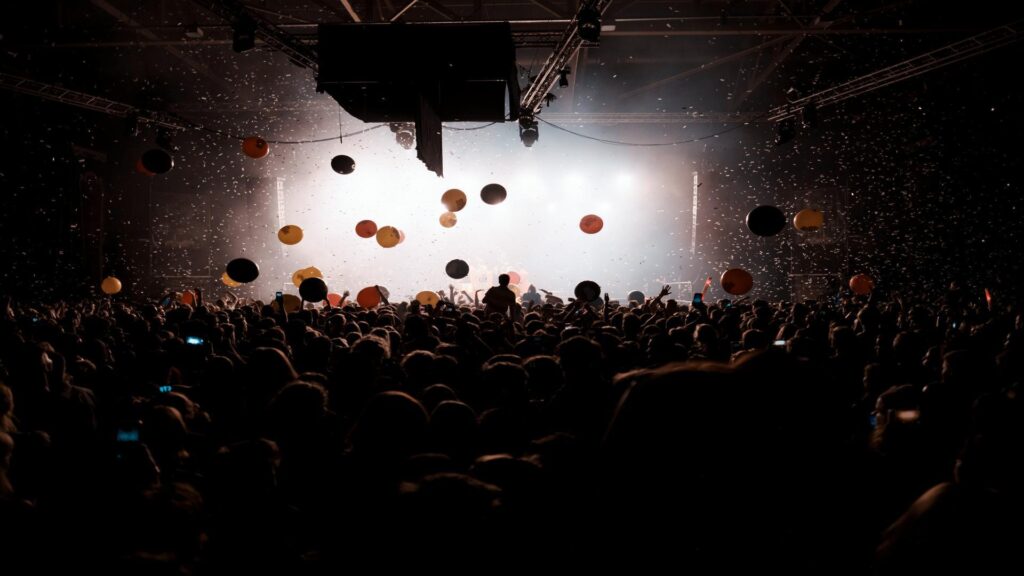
<point>504,279</point>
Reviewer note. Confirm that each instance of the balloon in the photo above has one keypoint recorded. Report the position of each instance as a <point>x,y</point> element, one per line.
<point>313,289</point>
<point>243,270</point>
<point>255,147</point>
<point>454,200</point>
<point>428,298</point>
<point>366,228</point>
<point>110,285</point>
<point>188,297</point>
<point>737,281</point>
<point>290,234</point>
<point>591,224</point>
<point>514,278</point>
<point>157,161</point>
<point>334,298</point>
<point>808,220</point>
<point>587,290</point>
<point>636,296</point>
<point>299,275</point>
<point>292,303</point>
<point>228,281</point>
<point>457,269</point>
<point>343,164</point>
<point>141,168</point>
<point>493,194</point>
<point>401,236</point>
<point>862,284</point>
<point>368,297</point>
<point>766,220</point>
<point>388,236</point>
<point>448,219</point>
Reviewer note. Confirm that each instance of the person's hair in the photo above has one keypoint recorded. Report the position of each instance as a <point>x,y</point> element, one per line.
<point>504,279</point>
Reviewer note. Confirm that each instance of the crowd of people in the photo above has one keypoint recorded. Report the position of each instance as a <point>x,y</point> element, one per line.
<point>856,436</point>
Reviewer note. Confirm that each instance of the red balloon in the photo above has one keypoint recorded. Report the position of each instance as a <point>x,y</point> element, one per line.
<point>255,147</point>
<point>862,284</point>
<point>368,297</point>
<point>334,299</point>
<point>188,297</point>
<point>514,278</point>
<point>591,224</point>
<point>366,228</point>
<point>141,168</point>
<point>737,281</point>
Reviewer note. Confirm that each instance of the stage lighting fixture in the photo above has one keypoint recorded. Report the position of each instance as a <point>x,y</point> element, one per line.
<point>786,131</point>
<point>809,116</point>
<point>588,24</point>
<point>244,37</point>
<point>563,77</point>
<point>528,131</point>
<point>405,134</point>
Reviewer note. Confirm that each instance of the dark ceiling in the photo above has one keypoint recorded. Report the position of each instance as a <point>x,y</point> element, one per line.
<point>656,62</point>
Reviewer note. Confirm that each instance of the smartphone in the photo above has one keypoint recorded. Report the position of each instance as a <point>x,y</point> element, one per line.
<point>278,295</point>
<point>164,389</point>
<point>194,340</point>
<point>128,435</point>
<point>780,342</point>
<point>698,298</point>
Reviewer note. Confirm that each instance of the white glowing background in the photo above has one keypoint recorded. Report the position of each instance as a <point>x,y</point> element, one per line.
<point>640,193</point>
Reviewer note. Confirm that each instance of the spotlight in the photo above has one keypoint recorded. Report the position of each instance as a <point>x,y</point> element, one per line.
<point>786,131</point>
<point>528,131</point>
<point>163,140</point>
<point>405,134</point>
<point>244,37</point>
<point>588,24</point>
<point>809,116</point>
<point>563,77</point>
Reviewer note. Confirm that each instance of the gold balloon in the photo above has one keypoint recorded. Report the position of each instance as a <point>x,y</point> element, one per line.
<point>110,285</point>
<point>300,275</point>
<point>227,281</point>
<point>428,298</point>
<point>292,303</point>
<point>290,234</point>
<point>388,236</point>
<point>454,200</point>
<point>448,219</point>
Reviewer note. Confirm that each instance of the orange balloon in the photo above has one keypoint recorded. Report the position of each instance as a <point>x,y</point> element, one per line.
<point>366,228</point>
<point>388,237</point>
<point>188,297</point>
<point>368,297</point>
<point>737,281</point>
<point>448,219</point>
<point>514,278</point>
<point>110,285</point>
<point>591,224</point>
<point>401,236</point>
<point>862,284</point>
<point>334,299</point>
<point>808,220</point>
<point>228,281</point>
<point>255,147</point>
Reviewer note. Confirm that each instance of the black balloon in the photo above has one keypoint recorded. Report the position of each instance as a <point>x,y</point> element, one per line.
<point>588,290</point>
<point>243,270</point>
<point>493,194</point>
<point>636,296</point>
<point>766,220</point>
<point>313,290</point>
<point>457,269</point>
<point>157,161</point>
<point>343,164</point>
